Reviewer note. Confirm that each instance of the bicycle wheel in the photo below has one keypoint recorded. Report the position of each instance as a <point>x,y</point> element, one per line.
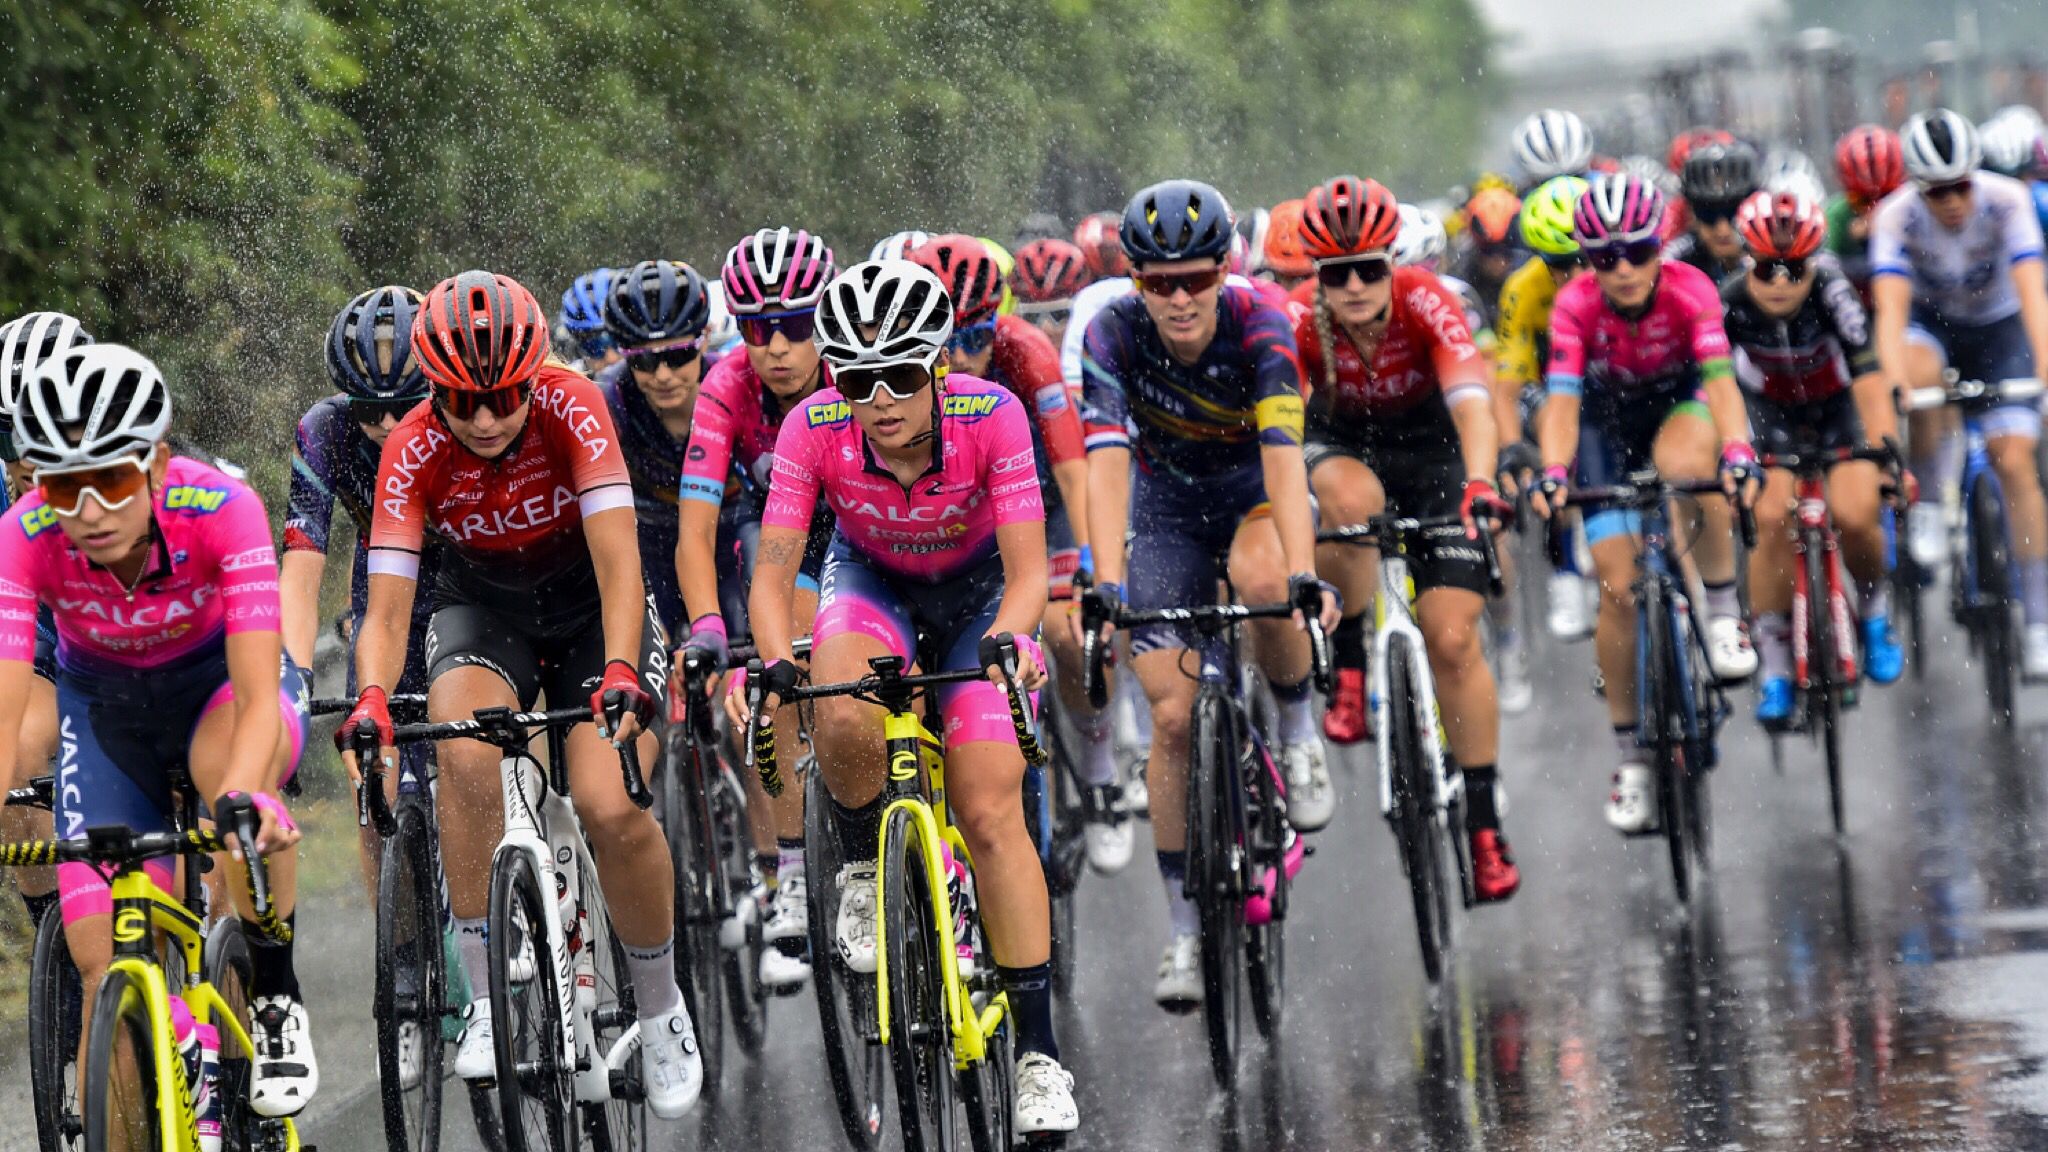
<point>746,998</point>
<point>536,1085</point>
<point>1069,865</point>
<point>987,1088</point>
<point>1266,831</point>
<point>1823,667</point>
<point>1661,710</point>
<point>920,1031</point>
<point>56,1005</point>
<point>1906,606</point>
<point>1992,612</point>
<point>229,970</point>
<point>698,957</point>
<point>618,1124</point>
<point>856,1066</point>
<point>409,996</point>
<point>120,1065</point>
<point>1215,849</point>
<point>1414,832</point>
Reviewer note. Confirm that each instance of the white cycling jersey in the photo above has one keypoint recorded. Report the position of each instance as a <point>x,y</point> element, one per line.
<point>1964,276</point>
<point>1091,300</point>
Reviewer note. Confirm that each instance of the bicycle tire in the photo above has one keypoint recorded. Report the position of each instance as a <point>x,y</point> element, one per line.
<point>1266,944</point>
<point>1705,715</point>
<point>409,921</point>
<point>536,1089</point>
<point>55,1015</point>
<point>620,1123</point>
<point>697,957</point>
<point>987,1090</point>
<point>920,1034</point>
<point>746,998</point>
<point>1823,664</point>
<point>1414,837</point>
<point>1661,713</point>
<point>1905,597</point>
<point>121,1112</point>
<point>1990,559</point>
<point>230,970</point>
<point>856,1067</point>
<point>1213,863</point>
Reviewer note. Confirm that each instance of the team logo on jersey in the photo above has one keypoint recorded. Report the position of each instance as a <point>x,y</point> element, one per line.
<point>971,406</point>
<point>193,498</point>
<point>254,558</point>
<point>36,520</point>
<point>1052,399</point>
<point>836,412</point>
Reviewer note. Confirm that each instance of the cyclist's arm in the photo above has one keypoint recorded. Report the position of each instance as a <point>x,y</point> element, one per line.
<point>706,465</point>
<point>253,658</point>
<point>697,557</point>
<point>1557,436</point>
<point>614,543</point>
<point>1109,509</point>
<point>1724,401</point>
<point>308,517</point>
<point>298,589</point>
<point>1891,296</point>
<point>1105,419</point>
<point>1026,574</point>
<point>2029,282</point>
<point>16,676</point>
<point>1558,429</point>
<point>18,602</point>
<point>771,601</point>
<point>1478,438</point>
<point>387,625</point>
<point>1071,477</point>
<point>1287,489</point>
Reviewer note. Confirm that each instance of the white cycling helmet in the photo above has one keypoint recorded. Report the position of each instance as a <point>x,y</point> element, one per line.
<point>1940,147</point>
<point>900,245</point>
<point>1650,170</point>
<point>882,313</point>
<point>1804,185</point>
<point>1422,238</point>
<point>1553,143</point>
<point>28,341</point>
<point>89,407</point>
<point>1783,161</point>
<point>2008,141</point>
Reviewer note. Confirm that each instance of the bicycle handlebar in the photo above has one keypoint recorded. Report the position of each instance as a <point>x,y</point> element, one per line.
<point>408,703</point>
<point>1959,391</point>
<point>1391,533</point>
<point>39,792</point>
<point>499,726</point>
<point>1204,618</point>
<point>1647,491</point>
<point>118,846</point>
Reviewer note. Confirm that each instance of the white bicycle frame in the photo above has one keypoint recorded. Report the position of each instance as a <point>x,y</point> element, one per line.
<point>1396,625</point>
<point>548,834</point>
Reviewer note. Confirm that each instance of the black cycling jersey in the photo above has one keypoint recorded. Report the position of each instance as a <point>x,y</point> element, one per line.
<point>1687,249</point>
<point>1808,356</point>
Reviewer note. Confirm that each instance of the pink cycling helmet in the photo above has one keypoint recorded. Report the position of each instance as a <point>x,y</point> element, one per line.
<point>1617,209</point>
<point>776,269</point>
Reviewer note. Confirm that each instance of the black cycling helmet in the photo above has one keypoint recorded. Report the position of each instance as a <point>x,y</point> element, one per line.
<point>1723,174</point>
<point>1176,220</point>
<point>352,360</point>
<point>656,300</point>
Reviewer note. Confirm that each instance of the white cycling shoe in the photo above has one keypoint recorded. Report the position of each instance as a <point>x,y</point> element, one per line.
<point>1568,617</point>
<point>1632,805</point>
<point>411,1055</point>
<point>1516,693</point>
<point>476,1053</point>
<point>671,1068</point>
<point>854,930</point>
<point>783,962</point>
<point>1179,987</point>
<point>2034,652</point>
<point>1927,534</point>
<point>1728,650</point>
<point>1311,799</point>
<point>1044,1095</point>
<point>1108,833</point>
<point>287,1075</point>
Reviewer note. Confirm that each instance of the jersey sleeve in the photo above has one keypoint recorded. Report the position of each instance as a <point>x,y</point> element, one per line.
<point>1461,371</point>
<point>581,428</point>
<point>18,582</point>
<point>309,510</point>
<point>799,472</point>
<point>1888,256</point>
<point>2022,230</point>
<point>1105,362</point>
<point>240,536</point>
<point>1011,469</point>
<point>1709,334</point>
<point>1276,366</point>
<point>713,427</point>
<point>1566,375</point>
<point>1028,359</point>
<point>1849,322</point>
<point>408,466</point>
<point>1514,335</point>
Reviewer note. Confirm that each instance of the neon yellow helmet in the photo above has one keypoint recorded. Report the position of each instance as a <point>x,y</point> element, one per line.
<point>1006,264</point>
<point>1547,216</point>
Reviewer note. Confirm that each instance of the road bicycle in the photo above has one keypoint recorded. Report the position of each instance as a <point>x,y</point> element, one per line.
<point>1422,797</point>
<point>1825,665</point>
<point>138,1092</point>
<point>942,1019</point>
<point>56,1009</point>
<point>1983,589</point>
<point>1241,852</point>
<point>564,1023</point>
<point>1681,706</point>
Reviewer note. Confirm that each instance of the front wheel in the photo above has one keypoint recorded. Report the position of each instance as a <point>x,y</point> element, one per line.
<point>536,1086</point>
<point>697,954</point>
<point>55,1013</point>
<point>1266,941</point>
<point>746,998</point>
<point>1824,670</point>
<point>1414,815</point>
<point>618,1124</point>
<point>409,997</point>
<point>920,1029</point>
<point>856,1066</point>
<point>1214,877</point>
<point>1991,562</point>
<point>121,1086</point>
<point>1663,716</point>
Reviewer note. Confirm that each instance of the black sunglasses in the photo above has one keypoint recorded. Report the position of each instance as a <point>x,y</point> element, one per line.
<point>1564,263</point>
<point>463,404</point>
<point>974,339</point>
<point>1947,191</point>
<point>374,411</point>
<point>1788,270</point>
<point>674,356</point>
<point>901,381</point>
<point>759,331</point>
<point>1715,211</point>
<point>1637,252</point>
<point>1368,269</point>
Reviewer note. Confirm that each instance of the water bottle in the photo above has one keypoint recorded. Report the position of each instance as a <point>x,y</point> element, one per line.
<point>586,966</point>
<point>198,1047</point>
<point>960,894</point>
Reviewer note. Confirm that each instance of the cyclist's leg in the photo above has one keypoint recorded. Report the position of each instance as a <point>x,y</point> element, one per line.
<point>1770,591</point>
<point>1258,569</point>
<point>1687,448</point>
<point>1609,449</point>
<point>1933,444</point>
<point>1997,352</point>
<point>1347,492</point>
<point>35,751</point>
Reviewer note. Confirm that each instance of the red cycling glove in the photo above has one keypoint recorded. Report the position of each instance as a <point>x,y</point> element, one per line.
<point>1481,498</point>
<point>624,679</point>
<point>373,709</point>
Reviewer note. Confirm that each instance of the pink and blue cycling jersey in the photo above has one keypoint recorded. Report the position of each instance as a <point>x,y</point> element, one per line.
<point>944,524</point>
<point>222,580</point>
<point>730,431</point>
<point>1679,338</point>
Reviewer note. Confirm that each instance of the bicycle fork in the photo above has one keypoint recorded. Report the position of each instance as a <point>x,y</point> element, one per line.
<point>1813,532</point>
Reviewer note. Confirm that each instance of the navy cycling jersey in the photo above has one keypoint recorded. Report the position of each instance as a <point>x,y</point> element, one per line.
<point>335,462</point>
<point>654,462</point>
<point>1193,421</point>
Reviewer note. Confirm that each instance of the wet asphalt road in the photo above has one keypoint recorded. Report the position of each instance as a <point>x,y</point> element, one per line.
<point>1892,993</point>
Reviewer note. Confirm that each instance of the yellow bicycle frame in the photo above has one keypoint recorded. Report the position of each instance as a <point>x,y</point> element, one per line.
<point>912,746</point>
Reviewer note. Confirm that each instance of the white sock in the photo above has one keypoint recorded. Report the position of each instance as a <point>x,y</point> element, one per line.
<point>1722,600</point>
<point>472,947</point>
<point>1297,722</point>
<point>653,972</point>
<point>1098,751</point>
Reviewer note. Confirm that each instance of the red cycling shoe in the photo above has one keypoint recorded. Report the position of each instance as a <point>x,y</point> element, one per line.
<point>1348,721</point>
<point>1494,875</point>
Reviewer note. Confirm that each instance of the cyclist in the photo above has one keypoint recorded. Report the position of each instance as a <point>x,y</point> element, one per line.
<point>1522,347</point>
<point>939,530</point>
<point>1956,274</point>
<point>1096,237</point>
<point>163,583</point>
<point>1551,143</point>
<point>1639,376</point>
<point>1202,379</point>
<point>582,317</point>
<point>1402,417</point>
<point>656,313</point>
<point>1716,179</point>
<point>773,280</point>
<point>1008,351</point>
<point>1870,167</point>
<point>24,344</point>
<point>1050,273</point>
<point>516,465</point>
<point>1285,262</point>
<point>1487,255</point>
<point>1802,353</point>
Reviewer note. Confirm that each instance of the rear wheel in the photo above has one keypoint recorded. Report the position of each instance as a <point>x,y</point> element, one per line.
<point>1662,712</point>
<point>1824,668</point>
<point>698,958</point>
<point>536,1087</point>
<point>1214,878</point>
<point>857,1067</point>
<point>1414,803</point>
<point>1266,943</point>
<point>920,1032</point>
<point>120,1062</point>
<point>409,998</point>
<point>55,1013</point>
<point>618,1124</point>
<point>1992,610</point>
<point>746,998</point>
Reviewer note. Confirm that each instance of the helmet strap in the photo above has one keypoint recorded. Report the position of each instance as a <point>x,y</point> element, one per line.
<point>939,371</point>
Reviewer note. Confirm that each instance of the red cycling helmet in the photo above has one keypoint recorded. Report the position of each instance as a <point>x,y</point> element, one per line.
<point>1096,237</point>
<point>1870,162</point>
<point>1346,215</point>
<point>968,270</point>
<point>1781,226</point>
<point>1049,270</point>
<point>478,332</point>
<point>1683,144</point>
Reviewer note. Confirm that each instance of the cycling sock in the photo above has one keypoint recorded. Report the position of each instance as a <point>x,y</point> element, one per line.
<point>1297,717</point>
<point>1180,911</point>
<point>2034,588</point>
<point>270,962</point>
<point>789,859</point>
<point>1348,642</point>
<point>1774,645</point>
<point>1030,992</point>
<point>1482,807</point>
<point>1141,712</point>
<point>1097,768</point>
<point>1722,600</point>
<point>472,947</point>
<point>37,905</point>
<point>653,973</point>
<point>859,829</point>
<point>1625,743</point>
